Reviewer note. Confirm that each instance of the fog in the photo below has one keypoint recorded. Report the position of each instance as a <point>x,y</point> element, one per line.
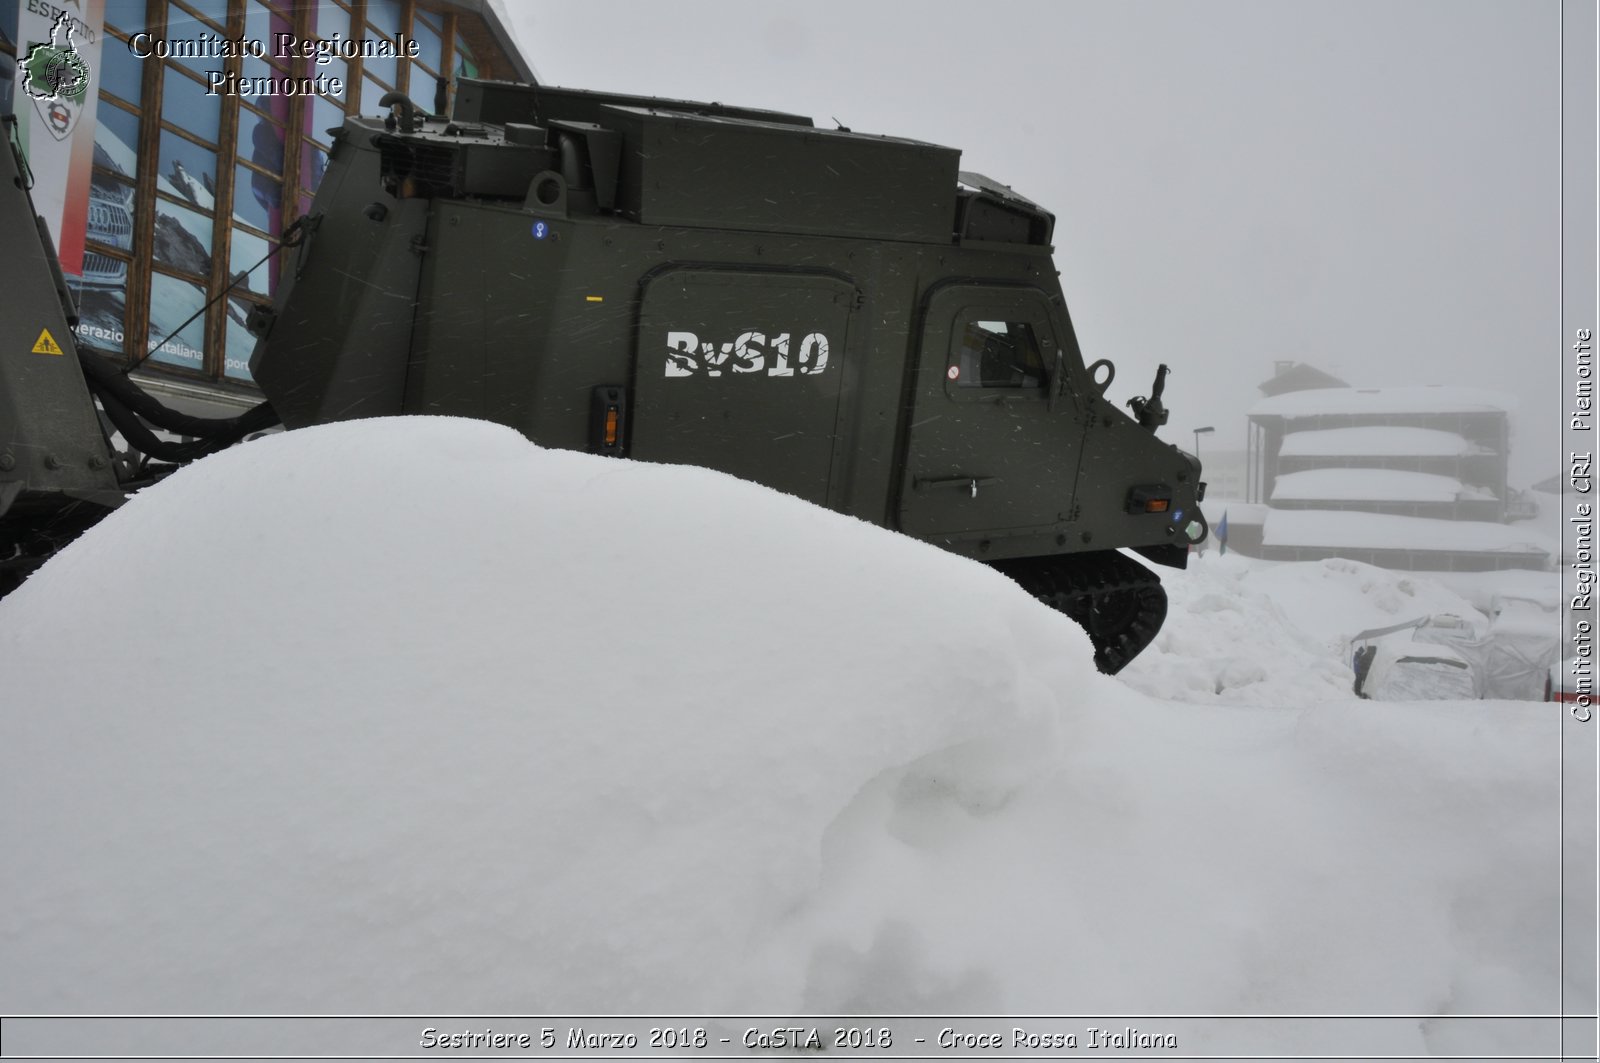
<point>1369,187</point>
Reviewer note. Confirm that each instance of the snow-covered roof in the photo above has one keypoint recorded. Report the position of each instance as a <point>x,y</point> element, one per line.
<point>1377,441</point>
<point>1382,400</point>
<point>1373,485</point>
<point>1384,531</point>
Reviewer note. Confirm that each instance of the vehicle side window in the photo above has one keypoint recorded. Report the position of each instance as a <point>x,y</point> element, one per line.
<point>997,354</point>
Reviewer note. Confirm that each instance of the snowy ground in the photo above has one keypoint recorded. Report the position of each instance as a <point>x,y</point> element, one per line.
<point>413,717</point>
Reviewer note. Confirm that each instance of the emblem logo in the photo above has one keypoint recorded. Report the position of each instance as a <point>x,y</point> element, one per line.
<point>56,77</point>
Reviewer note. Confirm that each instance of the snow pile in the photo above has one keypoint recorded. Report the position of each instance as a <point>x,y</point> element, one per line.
<point>1482,588</point>
<point>414,717</point>
<point>1335,599</point>
<point>1241,631</point>
<point>1227,641</point>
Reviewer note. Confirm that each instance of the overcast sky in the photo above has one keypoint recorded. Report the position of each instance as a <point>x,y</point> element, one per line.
<point>1369,187</point>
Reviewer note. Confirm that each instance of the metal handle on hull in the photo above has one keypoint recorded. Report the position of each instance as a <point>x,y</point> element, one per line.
<point>954,483</point>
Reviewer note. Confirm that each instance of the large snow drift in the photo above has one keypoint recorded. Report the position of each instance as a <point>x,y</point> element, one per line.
<point>398,717</point>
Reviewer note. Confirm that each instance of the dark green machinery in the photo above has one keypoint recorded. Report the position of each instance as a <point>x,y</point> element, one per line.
<point>56,475</point>
<point>848,318</point>
<point>61,409</point>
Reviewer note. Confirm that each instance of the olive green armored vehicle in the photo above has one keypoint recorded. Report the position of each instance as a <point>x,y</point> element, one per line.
<point>848,318</point>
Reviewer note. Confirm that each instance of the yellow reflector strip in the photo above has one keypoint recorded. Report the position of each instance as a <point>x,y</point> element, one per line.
<point>1156,505</point>
<point>594,298</point>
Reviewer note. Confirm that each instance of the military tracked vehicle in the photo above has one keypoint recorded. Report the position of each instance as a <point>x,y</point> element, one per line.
<point>852,319</point>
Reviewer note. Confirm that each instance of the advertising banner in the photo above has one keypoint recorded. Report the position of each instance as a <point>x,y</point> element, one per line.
<point>58,54</point>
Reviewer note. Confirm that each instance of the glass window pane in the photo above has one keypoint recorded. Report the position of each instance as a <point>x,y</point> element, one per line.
<point>188,171</point>
<point>246,252</point>
<point>252,68</point>
<point>325,114</point>
<point>125,15</point>
<point>430,45</point>
<point>236,364</point>
<point>260,23</point>
<point>313,164</point>
<point>116,140</point>
<point>215,10</point>
<point>329,18</point>
<point>371,93</point>
<point>101,291</point>
<point>466,66</point>
<point>335,68</point>
<point>265,89</point>
<point>172,301</point>
<point>381,68</point>
<point>384,16</point>
<point>120,72</point>
<point>260,141</point>
<point>997,354</point>
<point>425,89</point>
<point>110,212</point>
<point>102,298</point>
<point>257,200</point>
<point>182,26</point>
<point>184,103</point>
<point>183,238</point>
<point>8,23</point>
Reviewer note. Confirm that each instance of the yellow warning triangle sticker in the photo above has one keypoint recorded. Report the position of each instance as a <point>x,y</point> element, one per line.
<point>46,343</point>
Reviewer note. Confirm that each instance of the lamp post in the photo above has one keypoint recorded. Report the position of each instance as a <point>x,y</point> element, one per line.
<point>1197,433</point>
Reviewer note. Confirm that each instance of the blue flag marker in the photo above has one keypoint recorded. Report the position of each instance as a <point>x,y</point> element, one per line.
<point>1222,532</point>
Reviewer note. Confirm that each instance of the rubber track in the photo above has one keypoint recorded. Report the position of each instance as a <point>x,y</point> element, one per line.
<point>1115,599</point>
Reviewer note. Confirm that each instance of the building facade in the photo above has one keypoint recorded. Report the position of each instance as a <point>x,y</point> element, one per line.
<point>1405,478</point>
<point>206,153</point>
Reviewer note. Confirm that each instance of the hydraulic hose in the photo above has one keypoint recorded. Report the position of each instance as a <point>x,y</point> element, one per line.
<point>129,408</point>
<point>139,436</point>
<point>107,381</point>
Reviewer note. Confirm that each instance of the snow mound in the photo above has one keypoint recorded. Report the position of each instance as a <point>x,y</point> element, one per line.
<point>1334,599</point>
<point>1241,631</point>
<point>414,717</point>
<point>1227,641</point>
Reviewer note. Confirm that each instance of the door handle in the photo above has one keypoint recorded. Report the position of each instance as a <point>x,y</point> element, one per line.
<point>954,483</point>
